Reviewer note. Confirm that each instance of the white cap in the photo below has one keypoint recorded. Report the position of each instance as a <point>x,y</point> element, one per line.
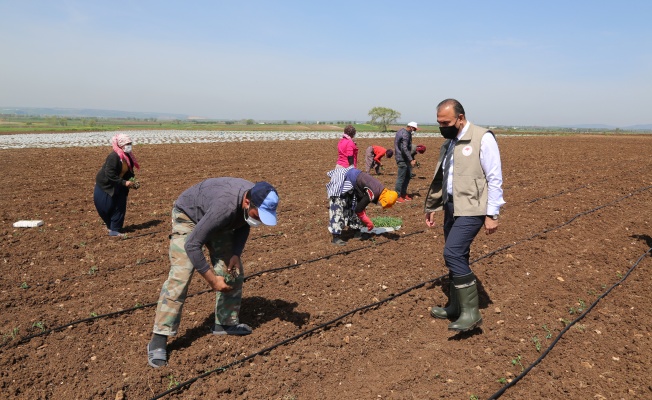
<point>413,124</point>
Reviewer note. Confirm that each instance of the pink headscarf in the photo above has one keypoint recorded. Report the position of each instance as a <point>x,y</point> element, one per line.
<point>118,141</point>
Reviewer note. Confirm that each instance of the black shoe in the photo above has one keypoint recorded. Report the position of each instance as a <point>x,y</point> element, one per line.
<point>338,242</point>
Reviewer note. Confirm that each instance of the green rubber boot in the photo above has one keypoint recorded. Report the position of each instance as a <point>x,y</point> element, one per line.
<point>467,293</point>
<point>453,308</point>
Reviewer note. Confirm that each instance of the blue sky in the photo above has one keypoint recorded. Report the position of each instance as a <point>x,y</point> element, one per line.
<point>508,62</point>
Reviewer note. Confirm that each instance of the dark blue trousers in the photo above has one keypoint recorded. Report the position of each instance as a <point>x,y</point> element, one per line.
<point>112,209</point>
<point>403,178</point>
<point>459,233</point>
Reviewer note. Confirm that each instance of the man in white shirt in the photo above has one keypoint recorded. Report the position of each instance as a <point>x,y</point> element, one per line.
<point>467,186</point>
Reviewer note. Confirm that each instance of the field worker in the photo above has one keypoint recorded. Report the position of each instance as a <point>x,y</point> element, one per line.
<point>112,184</point>
<point>351,191</point>
<point>218,214</point>
<point>347,150</point>
<point>404,160</point>
<point>416,149</point>
<point>467,185</point>
<point>373,154</point>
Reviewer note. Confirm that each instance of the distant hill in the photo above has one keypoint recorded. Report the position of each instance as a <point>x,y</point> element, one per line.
<point>88,113</point>
<point>92,113</point>
<point>646,127</point>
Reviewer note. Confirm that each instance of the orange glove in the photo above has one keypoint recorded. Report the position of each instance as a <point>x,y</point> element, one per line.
<point>365,220</point>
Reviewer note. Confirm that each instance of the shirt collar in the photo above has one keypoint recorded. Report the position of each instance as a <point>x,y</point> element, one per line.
<point>466,128</point>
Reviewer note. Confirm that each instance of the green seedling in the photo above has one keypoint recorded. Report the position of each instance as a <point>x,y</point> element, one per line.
<point>7,337</point>
<point>92,270</point>
<point>517,361</point>
<point>135,183</point>
<point>579,309</point>
<point>39,324</point>
<point>93,314</point>
<point>502,381</point>
<point>473,397</point>
<point>24,285</point>
<point>82,244</point>
<point>172,382</point>
<point>565,322</point>
<point>548,333</point>
<point>619,275</point>
<point>388,222</point>
<point>537,343</point>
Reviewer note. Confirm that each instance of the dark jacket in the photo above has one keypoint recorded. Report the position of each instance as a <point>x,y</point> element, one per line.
<point>113,173</point>
<point>366,190</point>
<point>403,146</point>
<point>215,206</point>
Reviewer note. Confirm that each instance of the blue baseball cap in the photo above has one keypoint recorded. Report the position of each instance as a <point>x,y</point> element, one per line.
<point>265,199</point>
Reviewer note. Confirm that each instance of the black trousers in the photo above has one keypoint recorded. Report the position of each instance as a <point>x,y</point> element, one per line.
<point>112,209</point>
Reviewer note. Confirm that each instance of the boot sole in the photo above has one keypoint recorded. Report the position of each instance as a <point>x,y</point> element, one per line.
<point>476,325</point>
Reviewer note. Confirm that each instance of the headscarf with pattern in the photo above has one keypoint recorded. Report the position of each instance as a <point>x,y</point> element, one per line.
<point>118,141</point>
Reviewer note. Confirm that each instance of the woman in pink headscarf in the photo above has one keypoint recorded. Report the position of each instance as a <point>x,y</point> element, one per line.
<point>112,184</point>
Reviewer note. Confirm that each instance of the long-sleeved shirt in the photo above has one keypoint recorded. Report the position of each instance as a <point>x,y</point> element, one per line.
<point>346,148</point>
<point>403,146</point>
<point>366,189</point>
<point>490,162</point>
<point>214,205</point>
<point>379,152</point>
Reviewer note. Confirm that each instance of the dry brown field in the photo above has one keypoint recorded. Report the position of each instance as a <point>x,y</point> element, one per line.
<point>565,282</point>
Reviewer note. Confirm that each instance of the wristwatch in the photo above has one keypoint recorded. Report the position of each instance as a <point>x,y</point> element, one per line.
<point>494,217</point>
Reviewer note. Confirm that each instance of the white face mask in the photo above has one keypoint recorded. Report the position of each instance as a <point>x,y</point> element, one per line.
<point>127,148</point>
<point>253,222</point>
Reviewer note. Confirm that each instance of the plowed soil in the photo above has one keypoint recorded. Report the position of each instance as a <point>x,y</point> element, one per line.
<point>576,222</point>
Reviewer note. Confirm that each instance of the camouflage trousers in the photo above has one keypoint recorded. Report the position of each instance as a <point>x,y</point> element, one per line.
<point>341,214</point>
<point>175,289</point>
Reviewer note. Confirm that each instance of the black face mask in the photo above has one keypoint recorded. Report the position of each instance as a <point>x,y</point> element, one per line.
<point>448,132</point>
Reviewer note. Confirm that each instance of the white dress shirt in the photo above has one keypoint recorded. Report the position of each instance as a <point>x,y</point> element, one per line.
<point>490,162</point>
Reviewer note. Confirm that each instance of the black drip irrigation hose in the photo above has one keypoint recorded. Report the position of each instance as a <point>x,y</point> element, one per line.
<point>293,338</point>
<point>390,298</point>
<point>376,304</point>
<point>557,194</point>
<point>339,253</point>
<point>115,313</point>
<point>24,339</point>
<point>70,278</point>
<point>566,328</point>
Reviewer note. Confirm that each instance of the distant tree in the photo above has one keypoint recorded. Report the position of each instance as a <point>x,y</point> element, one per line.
<point>383,116</point>
<point>250,121</point>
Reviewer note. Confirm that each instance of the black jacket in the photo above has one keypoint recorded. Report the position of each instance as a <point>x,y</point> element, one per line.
<point>108,177</point>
